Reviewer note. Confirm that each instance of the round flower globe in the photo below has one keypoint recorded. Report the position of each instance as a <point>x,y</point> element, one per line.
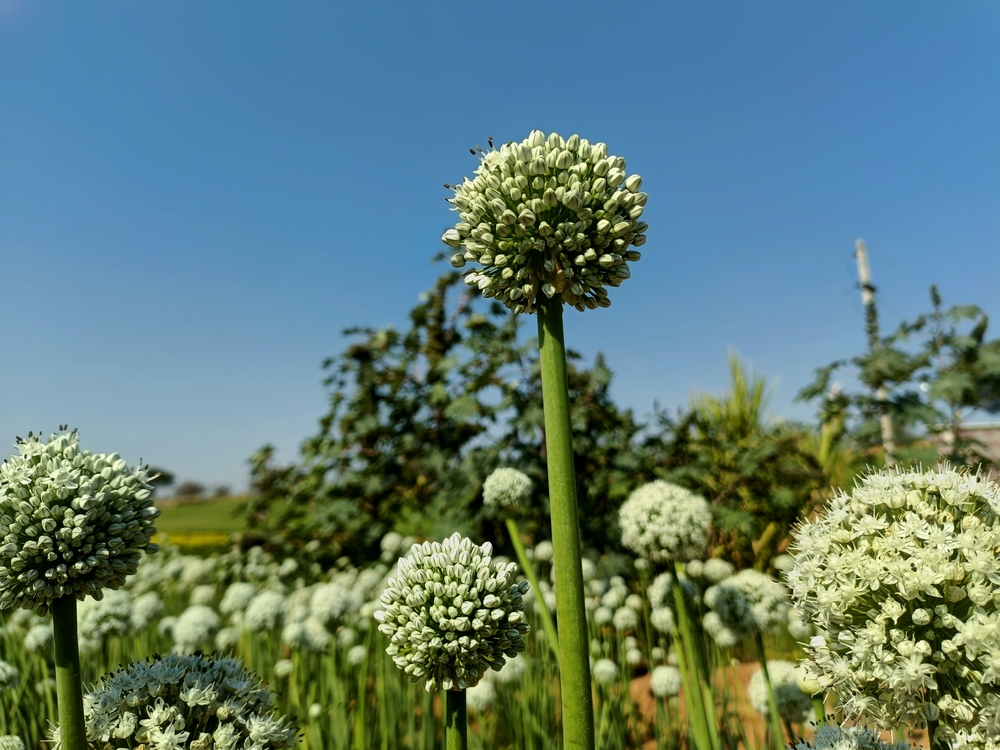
<point>830,737</point>
<point>794,706</point>
<point>72,522</point>
<point>605,672</point>
<point>452,612</point>
<point>548,216</point>
<point>665,523</point>
<point>901,578</point>
<point>748,603</point>
<point>507,488</point>
<point>665,681</point>
<point>184,701</point>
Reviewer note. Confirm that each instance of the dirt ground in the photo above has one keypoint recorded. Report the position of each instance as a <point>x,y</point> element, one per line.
<point>753,723</point>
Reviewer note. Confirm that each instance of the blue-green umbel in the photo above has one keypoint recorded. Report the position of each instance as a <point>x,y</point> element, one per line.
<point>549,215</point>
<point>452,612</point>
<point>72,522</point>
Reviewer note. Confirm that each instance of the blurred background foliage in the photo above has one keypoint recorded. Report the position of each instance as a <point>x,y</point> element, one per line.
<point>417,419</point>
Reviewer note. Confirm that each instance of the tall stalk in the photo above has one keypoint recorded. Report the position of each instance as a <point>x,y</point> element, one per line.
<point>69,684</point>
<point>574,659</point>
<point>529,571</point>
<point>456,721</point>
<point>772,703</point>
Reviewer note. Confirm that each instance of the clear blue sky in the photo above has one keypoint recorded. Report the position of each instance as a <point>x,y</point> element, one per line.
<point>196,197</point>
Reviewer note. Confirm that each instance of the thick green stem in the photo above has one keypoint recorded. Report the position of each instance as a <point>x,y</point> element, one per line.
<point>932,726</point>
<point>574,659</point>
<point>529,570</point>
<point>701,702</point>
<point>772,703</point>
<point>69,685</point>
<point>457,724</point>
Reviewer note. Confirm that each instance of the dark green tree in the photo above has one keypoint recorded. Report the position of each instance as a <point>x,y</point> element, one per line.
<point>418,419</point>
<point>760,475</point>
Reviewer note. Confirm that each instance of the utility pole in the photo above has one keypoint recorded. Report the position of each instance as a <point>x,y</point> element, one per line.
<point>871,325</point>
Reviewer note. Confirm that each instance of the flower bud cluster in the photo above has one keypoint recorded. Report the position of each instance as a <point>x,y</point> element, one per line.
<point>196,702</point>
<point>830,737</point>
<point>901,578</point>
<point>548,216</point>
<point>9,676</point>
<point>747,603</point>
<point>794,706</point>
<point>507,488</point>
<point>664,522</point>
<point>665,681</point>
<point>451,612</point>
<point>72,522</point>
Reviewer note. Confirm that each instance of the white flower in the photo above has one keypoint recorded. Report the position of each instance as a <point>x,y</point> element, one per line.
<point>901,578</point>
<point>633,656</point>
<point>148,606</point>
<point>543,551</point>
<point>9,676</point>
<point>665,681</point>
<point>716,570</point>
<point>226,639</point>
<point>793,705</point>
<point>195,627</point>
<point>830,737</point>
<point>452,612</point>
<point>749,602</point>
<point>315,711</point>
<point>164,702</point>
<point>480,696</point>
<point>111,616</point>
<point>664,523</point>
<point>603,615</point>
<point>605,672</point>
<point>265,611</point>
<point>625,618</point>
<point>283,668</point>
<point>548,216</point>
<point>357,655</point>
<point>511,671</point>
<point>506,488</point>
<point>662,618</point>
<point>307,635</point>
<point>723,636</point>
<point>11,742</point>
<point>72,522</point>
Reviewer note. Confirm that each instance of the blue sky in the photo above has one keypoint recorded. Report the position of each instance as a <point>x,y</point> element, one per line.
<point>196,197</point>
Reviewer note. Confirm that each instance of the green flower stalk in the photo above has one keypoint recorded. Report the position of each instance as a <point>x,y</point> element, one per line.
<point>553,221</point>
<point>72,523</point>
<point>452,613</point>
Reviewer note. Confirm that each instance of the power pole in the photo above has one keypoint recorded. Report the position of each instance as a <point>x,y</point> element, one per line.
<point>871,325</point>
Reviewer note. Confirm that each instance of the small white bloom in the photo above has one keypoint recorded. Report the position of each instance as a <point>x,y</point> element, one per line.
<point>665,681</point>
<point>664,522</point>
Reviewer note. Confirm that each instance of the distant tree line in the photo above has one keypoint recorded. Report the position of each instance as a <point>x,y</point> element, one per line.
<point>418,418</point>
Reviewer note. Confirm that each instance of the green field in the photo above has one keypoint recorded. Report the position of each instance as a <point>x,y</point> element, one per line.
<point>203,517</point>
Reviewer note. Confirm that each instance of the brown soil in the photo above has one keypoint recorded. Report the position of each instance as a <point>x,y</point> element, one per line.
<point>753,723</point>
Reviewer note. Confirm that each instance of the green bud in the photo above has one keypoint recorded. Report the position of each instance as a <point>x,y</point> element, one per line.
<point>633,183</point>
<point>452,237</point>
<point>573,142</point>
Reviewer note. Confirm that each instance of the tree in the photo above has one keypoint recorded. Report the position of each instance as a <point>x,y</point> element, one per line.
<point>189,490</point>
<point>759,475</point>
<point>418,419</point>
<point>938,368</point>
